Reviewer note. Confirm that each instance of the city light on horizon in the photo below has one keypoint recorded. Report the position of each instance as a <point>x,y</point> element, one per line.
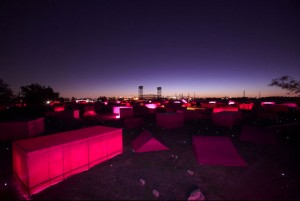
<point>195,48</point>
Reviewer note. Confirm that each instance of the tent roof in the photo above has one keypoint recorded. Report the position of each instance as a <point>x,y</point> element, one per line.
<point>216,150</point>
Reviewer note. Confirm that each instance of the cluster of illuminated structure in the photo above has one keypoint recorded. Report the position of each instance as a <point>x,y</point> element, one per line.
<point>35,157</point>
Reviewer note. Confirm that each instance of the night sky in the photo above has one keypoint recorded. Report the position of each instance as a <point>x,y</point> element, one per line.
<point>109,48</point>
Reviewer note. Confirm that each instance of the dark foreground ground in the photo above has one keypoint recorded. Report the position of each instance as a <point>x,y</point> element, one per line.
<point>272,172</point>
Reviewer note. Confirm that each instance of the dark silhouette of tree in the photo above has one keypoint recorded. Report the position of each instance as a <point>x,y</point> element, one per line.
<point>36,95</point>
<point>287,83</point>
<point>6,94</point>
<point>102,98</point>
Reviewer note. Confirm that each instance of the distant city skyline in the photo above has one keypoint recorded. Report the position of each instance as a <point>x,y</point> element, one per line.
<point>109,48</point>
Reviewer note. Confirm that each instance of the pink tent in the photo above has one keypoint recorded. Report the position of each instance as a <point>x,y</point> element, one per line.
<point>10,131</point>
<point>43,161</point>
<point>169,120</point>
<point>258,135</point>
<point>145,142</point>
<point>226,119</point>
<point>216,150</point>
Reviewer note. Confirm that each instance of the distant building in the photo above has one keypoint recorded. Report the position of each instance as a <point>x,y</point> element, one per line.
<point>149,96</point>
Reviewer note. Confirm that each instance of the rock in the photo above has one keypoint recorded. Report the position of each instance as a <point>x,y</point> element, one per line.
<point>196,195</point>
<point>190,172</point>
<point>142,182</point>
<point>155,193</point>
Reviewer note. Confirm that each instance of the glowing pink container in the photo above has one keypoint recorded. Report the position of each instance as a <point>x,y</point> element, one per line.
<point>151,105</point>
<point>64,115</point>
<point>290,105</point>
<point>116,109</point>
<point>21,129</point>
<point>246,106</point>
<point>59,108</point>
<point>208,105</point>
<point>89,111</point>
<point>276,108</point>
<point>44,161</point>
<point>225,109</point>
<point>126,112</point>
<point>190,115</point>
<point>226,119</point>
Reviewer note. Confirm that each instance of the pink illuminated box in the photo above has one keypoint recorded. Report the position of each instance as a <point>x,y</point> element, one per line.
<point>59,108</point>
<point>190,115</point>
<point>170,109</point>
<point>290,105</point>
<point>89,111</point>
<point>212,104</point>
<point>64,115</point>
<point>223,109</point>
<point>276,108</point>
<point>169,120</point>
<point>246,106</point>
<point>17,130</point>
<point>126,112</point>
<point>151,105</point>
<point>227,118</point>
<point>208,105</point>
<point>116,109</point>
<point>43,161</point>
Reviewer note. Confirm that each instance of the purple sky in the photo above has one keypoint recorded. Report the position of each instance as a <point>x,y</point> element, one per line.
<point>109,48</point>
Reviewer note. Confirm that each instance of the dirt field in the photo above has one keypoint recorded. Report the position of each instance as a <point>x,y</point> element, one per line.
<point>272,172</point>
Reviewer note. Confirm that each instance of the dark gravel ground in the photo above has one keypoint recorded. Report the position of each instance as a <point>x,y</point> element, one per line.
<point>272,172</point>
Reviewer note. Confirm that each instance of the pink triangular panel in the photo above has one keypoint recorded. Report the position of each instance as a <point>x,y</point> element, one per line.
<point>258,135</point>
<point>145,142</point>
<point>216,150</point>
